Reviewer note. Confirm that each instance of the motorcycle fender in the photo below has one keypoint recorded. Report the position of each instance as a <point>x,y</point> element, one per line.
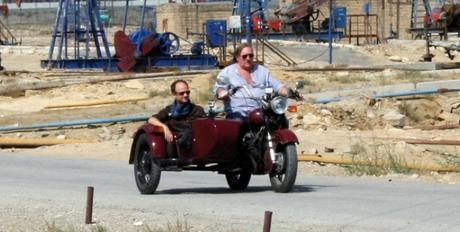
<point>155,139</point>
<point>284,136</point>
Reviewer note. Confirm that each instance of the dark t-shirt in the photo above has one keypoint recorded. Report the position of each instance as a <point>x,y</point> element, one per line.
<point>183,123</point>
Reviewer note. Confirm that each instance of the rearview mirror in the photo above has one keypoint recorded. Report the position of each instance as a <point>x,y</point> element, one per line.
<point>299,84</point>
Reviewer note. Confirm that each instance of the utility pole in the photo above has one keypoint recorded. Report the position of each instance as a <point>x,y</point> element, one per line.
<point>398,14</point>
<point>382,25</point>
<point>331,21</point>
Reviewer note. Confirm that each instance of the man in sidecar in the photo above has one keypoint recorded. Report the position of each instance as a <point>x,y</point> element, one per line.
<point>175,118</point>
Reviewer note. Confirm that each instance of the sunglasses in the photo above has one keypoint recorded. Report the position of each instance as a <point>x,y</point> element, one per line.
<point>183,93</point>
<point>247,55</point>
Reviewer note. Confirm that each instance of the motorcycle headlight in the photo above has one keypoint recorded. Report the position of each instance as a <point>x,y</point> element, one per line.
<point>279,105</point>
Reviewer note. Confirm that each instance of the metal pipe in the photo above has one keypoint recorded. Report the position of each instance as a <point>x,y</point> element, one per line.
<point>76,123</point>
<point>397,94</point>
<point>341,159</point>
<point>414,92</point>
<point>23,142</point>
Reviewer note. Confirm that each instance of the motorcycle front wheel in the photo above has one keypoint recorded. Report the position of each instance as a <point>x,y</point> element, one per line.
<point>147,170</point>
<point>238,181</point>
<point>283,176</point>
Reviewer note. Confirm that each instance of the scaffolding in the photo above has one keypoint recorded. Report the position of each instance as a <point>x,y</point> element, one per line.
<point>362,26</point>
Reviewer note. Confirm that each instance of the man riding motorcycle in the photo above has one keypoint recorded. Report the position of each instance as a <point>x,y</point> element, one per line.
<point>245,83</point>
<point>245,73</point>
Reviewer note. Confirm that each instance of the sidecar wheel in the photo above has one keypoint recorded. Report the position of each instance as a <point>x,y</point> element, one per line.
<point>147,170</point>
<point>238,180</point>
<point>282,177</point>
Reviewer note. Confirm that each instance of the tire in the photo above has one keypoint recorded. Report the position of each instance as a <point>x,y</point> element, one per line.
<point>283,177</point>
<point>238,181</point>
<point>147,170</point>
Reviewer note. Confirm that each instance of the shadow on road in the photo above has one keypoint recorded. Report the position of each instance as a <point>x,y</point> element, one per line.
<point>224,190</point>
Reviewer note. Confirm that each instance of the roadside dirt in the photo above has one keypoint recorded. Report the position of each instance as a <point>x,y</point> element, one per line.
<point>353,128</point>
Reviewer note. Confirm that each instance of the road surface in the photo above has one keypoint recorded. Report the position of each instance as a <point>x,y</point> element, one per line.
<point>36,191</point>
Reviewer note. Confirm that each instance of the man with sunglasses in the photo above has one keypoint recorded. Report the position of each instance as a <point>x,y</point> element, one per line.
<point>253,77</point>
<point>175,118</point>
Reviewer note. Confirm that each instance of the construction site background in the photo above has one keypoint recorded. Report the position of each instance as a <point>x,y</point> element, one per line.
<point>177,17</point>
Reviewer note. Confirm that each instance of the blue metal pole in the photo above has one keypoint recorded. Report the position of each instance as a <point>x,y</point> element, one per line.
<point>101,31</point>
<point>126,15</point>
<point>66,22</point>
<point>76,28</point>
<point>87,38</point>
<point>55,29</point>
<point>138,48</point>
<point>387,95</point>
<point>63,32</point>
<point>331,20</point>
<point>248,23</point>
<point>76,123</point>
<point>92,7</point>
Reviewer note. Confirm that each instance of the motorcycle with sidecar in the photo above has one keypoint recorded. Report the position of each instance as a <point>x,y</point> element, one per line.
<point>260,144</point>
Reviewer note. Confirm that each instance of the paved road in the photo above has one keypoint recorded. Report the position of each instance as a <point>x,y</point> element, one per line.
<point>39,190</point>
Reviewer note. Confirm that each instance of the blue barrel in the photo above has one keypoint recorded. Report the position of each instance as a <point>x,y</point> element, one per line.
<point>216,31</point>
<point>340,16</point>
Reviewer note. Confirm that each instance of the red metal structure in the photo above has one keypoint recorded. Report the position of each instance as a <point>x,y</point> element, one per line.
<point>300,15</point>
<point>6,37</point>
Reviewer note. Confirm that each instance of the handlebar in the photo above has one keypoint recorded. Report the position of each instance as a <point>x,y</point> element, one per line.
<point>292,94</point>
<point>295,94</point>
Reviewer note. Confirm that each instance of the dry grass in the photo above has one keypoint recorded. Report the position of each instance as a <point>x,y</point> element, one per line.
<point>177,226</point>
<point>450,160</point>
<point>409,110</point>
<point>376,160</point>
<point>347,79</point>
<point>54,228</point>
<point>413,77</point>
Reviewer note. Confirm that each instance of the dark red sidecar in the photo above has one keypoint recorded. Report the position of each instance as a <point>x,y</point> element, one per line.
<point>214,148</point>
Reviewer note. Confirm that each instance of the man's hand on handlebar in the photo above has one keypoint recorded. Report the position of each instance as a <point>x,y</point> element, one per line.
<point>298,96</point>
<point>222,94</point>
<point>294,94</point>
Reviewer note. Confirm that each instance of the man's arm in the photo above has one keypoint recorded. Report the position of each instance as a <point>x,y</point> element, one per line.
<point>220,89</point>
<point>156,122</point>
<point>281,89</point>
